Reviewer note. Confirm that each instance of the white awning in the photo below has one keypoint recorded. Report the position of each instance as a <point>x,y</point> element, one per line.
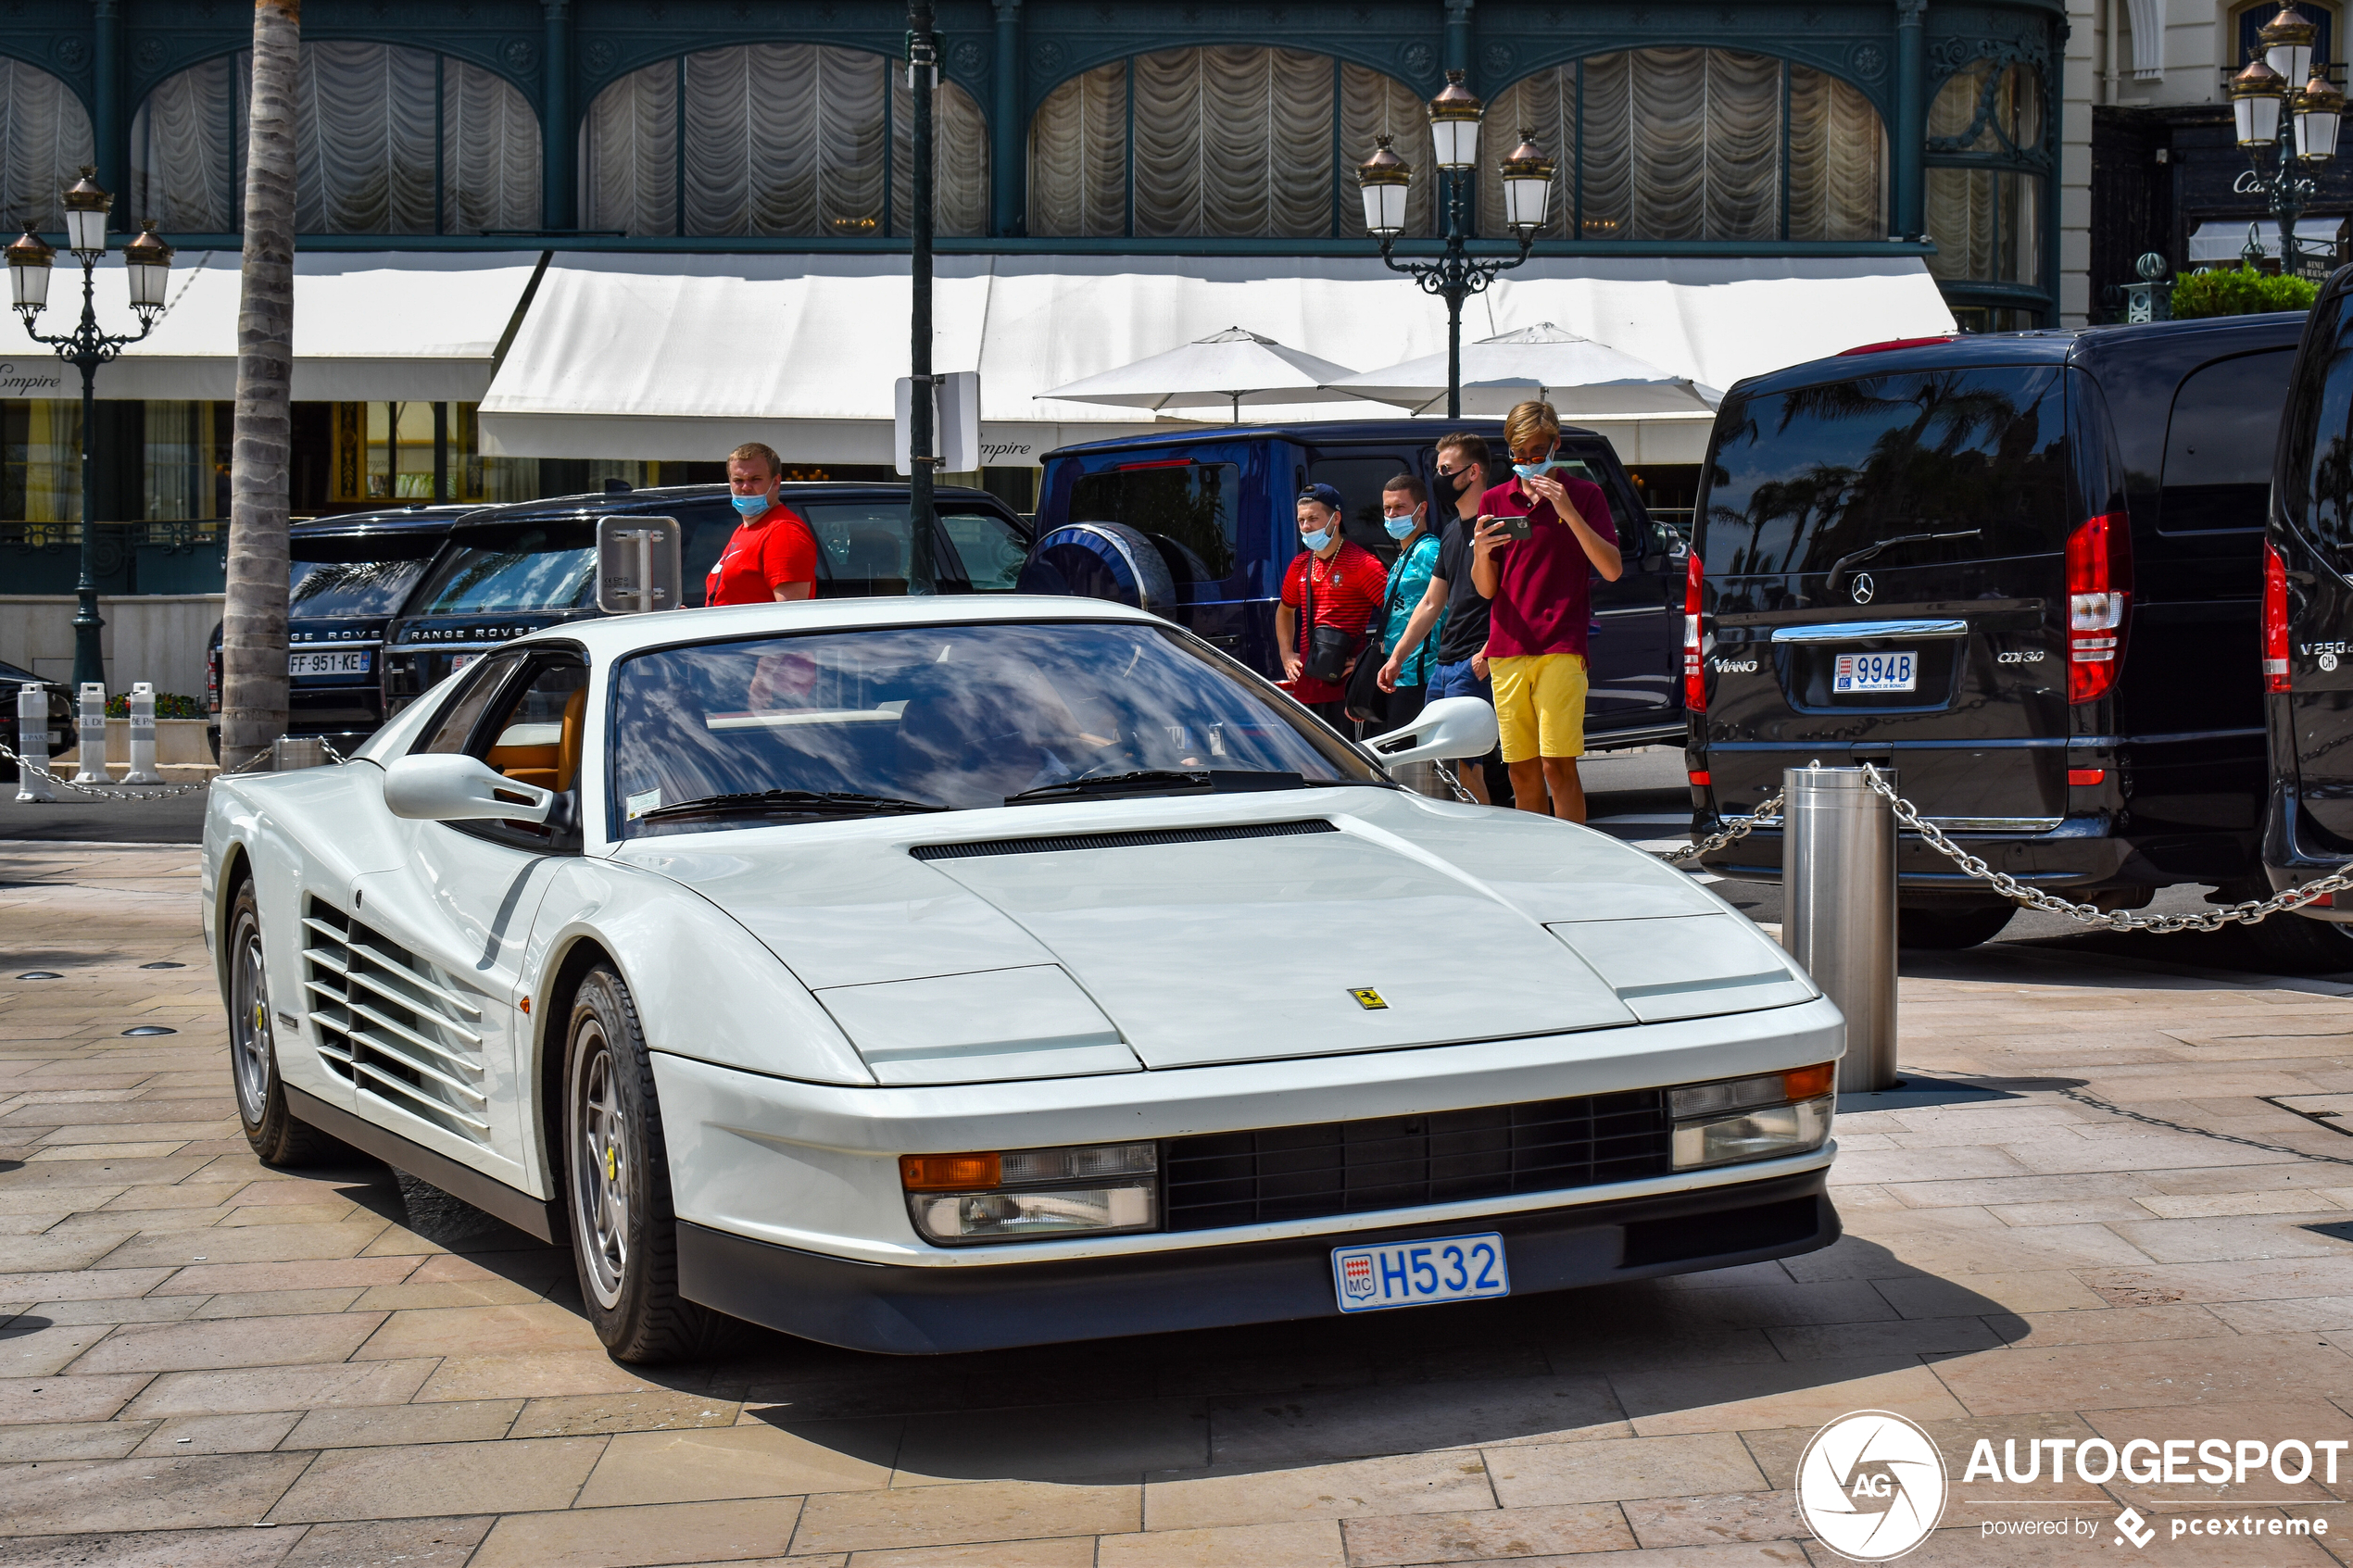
<point>2224,240</point>
<point>411,325</point>
<point>683,357</point>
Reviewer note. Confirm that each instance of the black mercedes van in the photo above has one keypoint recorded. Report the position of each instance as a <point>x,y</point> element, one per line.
<point>514,568</point>
<point>2307,648</point>
<point>2022,569</point>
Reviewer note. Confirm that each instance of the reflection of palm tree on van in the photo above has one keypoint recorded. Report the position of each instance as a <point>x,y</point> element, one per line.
<point>1855,463</point>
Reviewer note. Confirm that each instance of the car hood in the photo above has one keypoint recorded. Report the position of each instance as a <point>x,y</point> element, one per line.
<point>1228,928</point>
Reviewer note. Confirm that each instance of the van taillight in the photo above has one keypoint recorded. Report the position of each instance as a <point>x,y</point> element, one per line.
<point>2099,591</point>
<point>2274,621</point>
<point>1694,680</point>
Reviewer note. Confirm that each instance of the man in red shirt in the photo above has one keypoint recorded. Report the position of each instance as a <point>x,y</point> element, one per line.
<point>772,555</point>
<point>1540,589</point>
<point>1347,581</point>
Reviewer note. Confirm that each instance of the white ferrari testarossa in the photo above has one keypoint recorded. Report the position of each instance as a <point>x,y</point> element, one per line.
<point>940,974</point>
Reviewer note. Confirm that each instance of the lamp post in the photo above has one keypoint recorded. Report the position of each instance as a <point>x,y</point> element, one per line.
<point>2299,138</point>
<point>147,263</point>
<point>923,453</point>
<point>1454,117</point>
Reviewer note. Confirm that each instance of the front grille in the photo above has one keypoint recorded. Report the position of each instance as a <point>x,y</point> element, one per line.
<point>1405,1162</point>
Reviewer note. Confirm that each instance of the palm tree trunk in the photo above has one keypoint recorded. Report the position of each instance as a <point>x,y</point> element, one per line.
<point>253,629</point>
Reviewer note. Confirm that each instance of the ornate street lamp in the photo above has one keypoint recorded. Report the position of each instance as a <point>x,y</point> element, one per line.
<point>148,264</point>
<point>2299,128</point>
<point>1455,275</point>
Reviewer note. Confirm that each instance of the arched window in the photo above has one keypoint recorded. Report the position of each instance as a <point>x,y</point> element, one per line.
<point>777,139</point>
<point>1694,144</point>
<point>388,141</point>
<point>1226,141</point>
<point>1986,134</point>
<point>45,140</point>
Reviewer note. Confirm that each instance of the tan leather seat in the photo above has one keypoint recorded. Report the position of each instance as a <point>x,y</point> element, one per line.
<point>568,746</point>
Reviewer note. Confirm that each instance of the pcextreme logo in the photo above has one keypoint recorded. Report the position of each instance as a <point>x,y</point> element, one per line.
<point>1871,1486</point>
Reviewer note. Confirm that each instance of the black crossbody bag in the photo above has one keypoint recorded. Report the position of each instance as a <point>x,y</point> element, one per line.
<point>1326,648</point>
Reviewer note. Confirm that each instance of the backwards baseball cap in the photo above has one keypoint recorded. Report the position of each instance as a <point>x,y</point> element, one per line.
<point>1323,494</point>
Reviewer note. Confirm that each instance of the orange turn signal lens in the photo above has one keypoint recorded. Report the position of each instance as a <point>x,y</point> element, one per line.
<point>947,1173</point>
<point>1807,1082</point>
<point>2083,777</point>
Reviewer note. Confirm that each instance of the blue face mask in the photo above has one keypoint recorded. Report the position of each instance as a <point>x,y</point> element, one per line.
<point>1530,470</point>
<point>750,506</point>
<point>1398,527</point>
<point>1317,541</point>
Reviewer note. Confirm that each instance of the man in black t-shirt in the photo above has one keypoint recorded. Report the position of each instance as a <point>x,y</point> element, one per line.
<point>1462,635</point>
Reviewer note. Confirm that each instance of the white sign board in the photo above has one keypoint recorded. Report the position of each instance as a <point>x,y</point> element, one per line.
<point>955,420</point>
<point>637,564</point>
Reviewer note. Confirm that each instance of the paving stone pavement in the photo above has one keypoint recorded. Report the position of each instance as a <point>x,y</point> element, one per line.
<point>2084,1218</point>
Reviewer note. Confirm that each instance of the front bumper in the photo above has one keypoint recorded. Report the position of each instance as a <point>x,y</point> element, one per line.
<point>2291,859</point>
<point>904,1310</point>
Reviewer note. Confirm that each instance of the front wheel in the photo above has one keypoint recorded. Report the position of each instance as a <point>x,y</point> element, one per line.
<point>617,1182</point>
<point>275,1136</point>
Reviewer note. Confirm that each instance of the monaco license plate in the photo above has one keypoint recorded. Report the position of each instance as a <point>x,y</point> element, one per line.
<point>1875,672</point>
<point>348,662</point>
<point>1414,1273</point>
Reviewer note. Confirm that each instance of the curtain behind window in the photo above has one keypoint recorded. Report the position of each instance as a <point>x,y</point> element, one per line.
<point>780,139</point>
<point>363,150</point>
<point>1837,160</point>
<point>1687,144</point>
<point>1079,157</point>
<point>45,140</point>
<point>1232,141</point>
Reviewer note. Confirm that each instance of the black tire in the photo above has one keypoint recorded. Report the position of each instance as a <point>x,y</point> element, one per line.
<point>2298,944</point>
<point>616,1170</point>
<point>1947,928</point>
<point>272,1131</point>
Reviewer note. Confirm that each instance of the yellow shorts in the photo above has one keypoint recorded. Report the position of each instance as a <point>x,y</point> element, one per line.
<point>1539,704</point>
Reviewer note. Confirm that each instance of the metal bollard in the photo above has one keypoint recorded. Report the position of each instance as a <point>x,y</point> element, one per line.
<point>33,742</point>
<point>143,737</point>
<point>289,752</point>
<point>1838,884</point>
<point>91,730</point>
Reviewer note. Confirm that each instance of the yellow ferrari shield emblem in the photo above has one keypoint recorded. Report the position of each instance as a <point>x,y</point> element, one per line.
<point>1368,998</point>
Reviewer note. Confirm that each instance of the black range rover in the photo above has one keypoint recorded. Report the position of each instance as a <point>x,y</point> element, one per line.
<point>2022,569</point>
<point>347,577</point>
<point>514,568</point>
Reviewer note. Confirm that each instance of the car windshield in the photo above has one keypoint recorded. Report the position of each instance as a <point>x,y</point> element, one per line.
<point>525,566</point>
<point>322,589</point>
<point>949,718</point>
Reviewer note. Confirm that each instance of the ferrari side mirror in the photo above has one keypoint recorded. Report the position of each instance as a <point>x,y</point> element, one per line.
<point>443,788</point>
<point>1448,729</point>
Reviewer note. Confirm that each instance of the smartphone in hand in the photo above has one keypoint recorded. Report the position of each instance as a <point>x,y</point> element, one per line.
<point>1516,527</point>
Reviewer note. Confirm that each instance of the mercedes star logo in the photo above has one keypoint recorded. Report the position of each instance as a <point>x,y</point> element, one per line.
<point>1863,588</point>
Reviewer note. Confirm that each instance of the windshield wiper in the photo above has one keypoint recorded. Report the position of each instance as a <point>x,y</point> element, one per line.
<point>1162,780</point>
<point>1857,558</point>
<point>789,803</point>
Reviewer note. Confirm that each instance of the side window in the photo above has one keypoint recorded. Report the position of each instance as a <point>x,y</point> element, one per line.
<point>1188,504</point>
<point>2219,441</point>
<point>535,737</point>
<point>861,543</point>
<point>1359,482</point>
<point>457,723</point>
<point>988,546</point>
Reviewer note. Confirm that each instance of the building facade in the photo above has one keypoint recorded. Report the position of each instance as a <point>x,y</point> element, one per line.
<point>1766,134</point>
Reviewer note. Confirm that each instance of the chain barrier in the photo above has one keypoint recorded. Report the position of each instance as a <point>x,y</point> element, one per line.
<point>1766,815</point>
<point>148,792</point>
